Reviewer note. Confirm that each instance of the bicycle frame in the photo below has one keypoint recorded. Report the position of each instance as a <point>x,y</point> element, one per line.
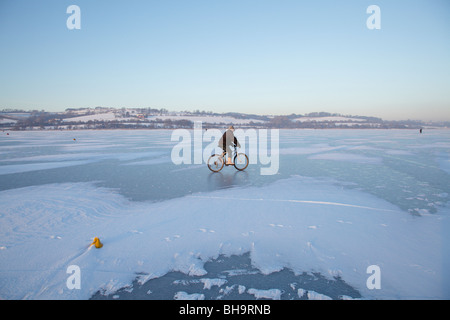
<point>223,160</point>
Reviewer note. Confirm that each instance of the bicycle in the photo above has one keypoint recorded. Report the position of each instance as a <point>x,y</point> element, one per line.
<point>217,161</point>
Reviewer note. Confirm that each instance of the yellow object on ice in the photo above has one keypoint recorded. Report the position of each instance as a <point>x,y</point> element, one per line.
<point>97,243</point>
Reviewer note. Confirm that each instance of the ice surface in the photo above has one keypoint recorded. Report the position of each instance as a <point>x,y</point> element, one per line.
<point>18,168</point>
<point>341,202</point>
<point>346,157</point>
<point>233,285</point>
<point>273,294</point>
<point>312,295</point>
<point>181,295</point>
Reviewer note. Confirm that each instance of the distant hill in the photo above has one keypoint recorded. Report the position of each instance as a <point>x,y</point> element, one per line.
<point>148,118</point>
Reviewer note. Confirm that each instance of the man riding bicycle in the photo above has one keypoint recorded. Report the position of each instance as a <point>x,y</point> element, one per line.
<point>227,141</point>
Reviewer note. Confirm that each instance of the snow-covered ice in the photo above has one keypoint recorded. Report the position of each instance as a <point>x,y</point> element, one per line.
<point>273,294</point>
<point>343,200</point>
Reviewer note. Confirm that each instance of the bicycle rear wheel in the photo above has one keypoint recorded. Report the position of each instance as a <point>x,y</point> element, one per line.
<point>215,163</point>
<point>241,161</point>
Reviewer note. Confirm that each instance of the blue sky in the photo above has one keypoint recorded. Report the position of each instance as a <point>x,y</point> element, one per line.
<point>253,56</point>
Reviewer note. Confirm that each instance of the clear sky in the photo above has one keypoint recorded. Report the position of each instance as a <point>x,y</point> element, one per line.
<point>252,56</point>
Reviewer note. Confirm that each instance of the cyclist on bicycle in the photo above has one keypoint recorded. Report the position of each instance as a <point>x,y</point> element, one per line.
<point>228,139</point>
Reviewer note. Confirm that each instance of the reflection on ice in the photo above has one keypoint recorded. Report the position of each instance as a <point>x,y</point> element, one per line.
<point>221,180</point>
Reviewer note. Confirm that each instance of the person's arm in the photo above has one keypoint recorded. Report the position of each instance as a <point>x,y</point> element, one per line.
<point>236,142</point>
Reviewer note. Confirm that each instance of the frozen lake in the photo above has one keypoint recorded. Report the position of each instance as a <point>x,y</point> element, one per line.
<point>341,201</point>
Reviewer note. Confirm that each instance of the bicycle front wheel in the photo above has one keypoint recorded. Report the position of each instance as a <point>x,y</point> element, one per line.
<point>241,161</point>
<point>215,163</point>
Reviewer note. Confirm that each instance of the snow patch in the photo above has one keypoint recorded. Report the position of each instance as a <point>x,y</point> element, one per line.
<point>273,294</point>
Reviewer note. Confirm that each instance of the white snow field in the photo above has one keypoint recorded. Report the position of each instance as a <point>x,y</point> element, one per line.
<point>342,201</point>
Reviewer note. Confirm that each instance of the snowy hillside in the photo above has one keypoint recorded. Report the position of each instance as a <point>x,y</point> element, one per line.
<point>109,116</point>
<point>206,119</point>
<point>331,118</point>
